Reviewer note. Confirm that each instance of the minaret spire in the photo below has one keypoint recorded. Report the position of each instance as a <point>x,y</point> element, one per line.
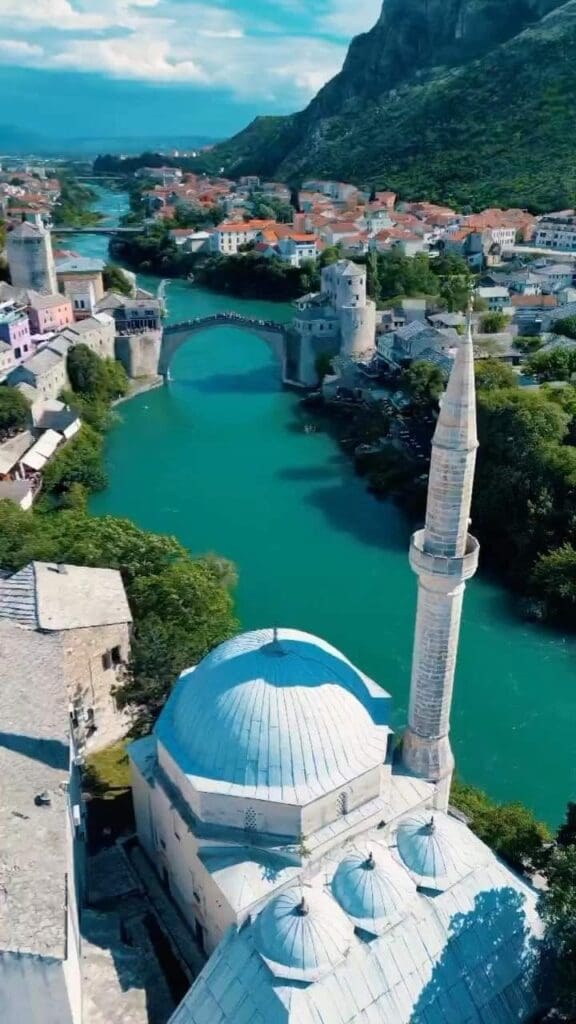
<point>443,555</point>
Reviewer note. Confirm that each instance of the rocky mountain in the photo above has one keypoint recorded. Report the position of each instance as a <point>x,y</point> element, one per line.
<point>468,101</point>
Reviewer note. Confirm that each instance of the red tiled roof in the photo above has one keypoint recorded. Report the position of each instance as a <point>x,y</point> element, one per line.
<point>533,300</point>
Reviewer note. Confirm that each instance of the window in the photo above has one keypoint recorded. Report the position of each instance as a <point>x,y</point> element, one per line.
<point>250,820</point>
<point>107,660</point>
<point>116,654</point>
<point>342,804</point>
<point>17,352</point>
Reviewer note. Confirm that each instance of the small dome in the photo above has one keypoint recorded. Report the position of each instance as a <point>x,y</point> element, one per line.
<point>372,888</point>
<point>279,713</point>
<point>302,934</point>
<point>428,847</point>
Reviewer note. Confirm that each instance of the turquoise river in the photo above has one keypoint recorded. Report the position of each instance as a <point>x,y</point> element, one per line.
<point>219,458</point>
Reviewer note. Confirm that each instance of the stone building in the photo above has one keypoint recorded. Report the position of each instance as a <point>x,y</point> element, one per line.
<point>138,330</point>
<point>30,257</point>
<point>87,608</point>
<point>315,859</point>
<point>339,320</point>
<point>41,825</point>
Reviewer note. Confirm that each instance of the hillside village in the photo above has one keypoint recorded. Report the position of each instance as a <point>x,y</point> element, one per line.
<point>522,268</point>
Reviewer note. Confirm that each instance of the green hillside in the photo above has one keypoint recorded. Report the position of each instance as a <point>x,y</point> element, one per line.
<point>494,123</point>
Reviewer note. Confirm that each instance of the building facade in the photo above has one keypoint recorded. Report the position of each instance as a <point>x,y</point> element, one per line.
<point>30,257</point>
<point>15,330</point>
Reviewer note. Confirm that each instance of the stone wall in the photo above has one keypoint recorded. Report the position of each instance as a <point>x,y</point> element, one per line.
<point>139,353</point>
<point>91,676</point>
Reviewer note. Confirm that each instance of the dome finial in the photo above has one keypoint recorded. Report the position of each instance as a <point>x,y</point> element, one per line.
<point>370,863</point>
<point>275,645</point>
<point>430,827</point>
<point>302,908</point>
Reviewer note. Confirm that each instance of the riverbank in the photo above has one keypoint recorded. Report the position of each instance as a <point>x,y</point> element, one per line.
<point>223,450</point>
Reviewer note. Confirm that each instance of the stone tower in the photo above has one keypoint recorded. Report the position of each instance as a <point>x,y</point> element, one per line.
<point>444,556</point>
<point>30,257</point>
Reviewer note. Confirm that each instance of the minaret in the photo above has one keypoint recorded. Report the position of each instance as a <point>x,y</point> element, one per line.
<point>443,555</point>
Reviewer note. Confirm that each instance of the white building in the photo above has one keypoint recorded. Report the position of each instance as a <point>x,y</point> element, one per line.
<point>227,238</point>
<point>30,257</point>
<point>322,872</point>
<point>496,297</point>
<point>556,233</point>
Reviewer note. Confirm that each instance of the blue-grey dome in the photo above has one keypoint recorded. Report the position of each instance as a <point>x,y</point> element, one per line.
<point>372,888</point>
<point>302,934</point>
<point>279,714</point>
<point>428,846</point>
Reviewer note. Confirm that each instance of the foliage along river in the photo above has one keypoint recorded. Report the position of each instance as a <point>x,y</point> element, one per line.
<point>219,458</point>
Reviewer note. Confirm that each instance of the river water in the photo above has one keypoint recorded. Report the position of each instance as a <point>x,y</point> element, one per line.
<point>219,459</point>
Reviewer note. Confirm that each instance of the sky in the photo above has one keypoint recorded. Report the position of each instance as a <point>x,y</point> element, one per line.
<point>77,68</point>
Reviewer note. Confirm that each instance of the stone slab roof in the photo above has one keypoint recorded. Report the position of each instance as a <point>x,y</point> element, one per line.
<point>53,598</point>
<point>34,759</point>
<point>13,450</point>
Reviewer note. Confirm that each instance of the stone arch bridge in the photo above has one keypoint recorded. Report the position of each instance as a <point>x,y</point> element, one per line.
<point>175,335</point>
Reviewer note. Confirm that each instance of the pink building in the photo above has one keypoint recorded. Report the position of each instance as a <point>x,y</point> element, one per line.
<point>49,313</point>
<point>15,330</point>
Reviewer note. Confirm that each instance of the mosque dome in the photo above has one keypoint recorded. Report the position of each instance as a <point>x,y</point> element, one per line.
<point>428,846</point>
<point>372,888</point>
<point>280,714</point>
<point>302,934</point>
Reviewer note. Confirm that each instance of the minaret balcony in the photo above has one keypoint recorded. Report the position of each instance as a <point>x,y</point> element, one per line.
<point>458,568</point>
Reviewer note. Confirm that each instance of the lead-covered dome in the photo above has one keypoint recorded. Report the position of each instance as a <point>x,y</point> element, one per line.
<point>430,846</point>
<point>302,934</point>
<point>275,714</point>
<point>372,888</point>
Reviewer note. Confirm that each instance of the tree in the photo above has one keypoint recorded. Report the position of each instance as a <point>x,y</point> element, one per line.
<point>115,280</point>
<point>84,370</point>
<point>566,834</point>
<point>424,382</point>
<point>14,409</point>
<point>557,363</point>
<point>79,462</point>
<point>557,906</point>
<point>554,581</point>
<point>96,379</point>
<point>510,829</point>
<point>493,323</point>
<point>492,373</point>
<point>566,326</point>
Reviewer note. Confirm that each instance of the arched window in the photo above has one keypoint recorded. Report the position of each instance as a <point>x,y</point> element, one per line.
<point>342,804</point>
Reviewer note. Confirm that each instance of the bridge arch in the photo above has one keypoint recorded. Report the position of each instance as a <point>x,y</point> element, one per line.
<point>176,335</point>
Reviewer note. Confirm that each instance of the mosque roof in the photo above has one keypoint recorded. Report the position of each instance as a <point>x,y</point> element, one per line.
<point>275,715</point>
<point>428,847</point>
<point>463,956</point>
<point>371,887</point>
<point>302,934</point>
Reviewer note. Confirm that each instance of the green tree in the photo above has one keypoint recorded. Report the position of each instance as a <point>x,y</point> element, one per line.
<point>566,326</point>
<point>566,835</point>
<point>492,373</point>
<point>84,370</point>
<point>510,829</point>
<point>14,409</point>
<point>116,280</point>
<point>557,907</point>
<point>493,323</point>
<point>424,382</point>
<point>554,581</point>
<point>557,363</point>
<point>79,462</point>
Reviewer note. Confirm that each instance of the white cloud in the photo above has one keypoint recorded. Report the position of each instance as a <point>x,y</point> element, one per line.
<point>196,42</point>
<point>348,19</point>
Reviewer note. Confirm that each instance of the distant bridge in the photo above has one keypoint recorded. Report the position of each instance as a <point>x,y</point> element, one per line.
<point>95,231</point>
<point>175,335</point>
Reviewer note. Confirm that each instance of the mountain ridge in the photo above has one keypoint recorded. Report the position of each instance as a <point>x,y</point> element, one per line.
<point>492,123</point>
